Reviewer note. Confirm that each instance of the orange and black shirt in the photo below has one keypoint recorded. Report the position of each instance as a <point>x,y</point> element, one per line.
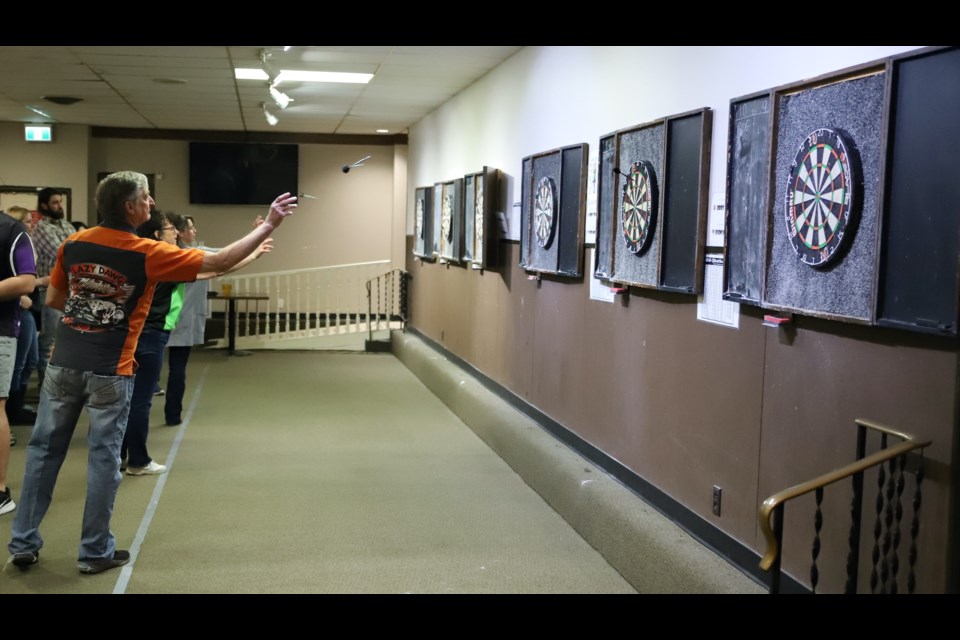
<point>109,275</point>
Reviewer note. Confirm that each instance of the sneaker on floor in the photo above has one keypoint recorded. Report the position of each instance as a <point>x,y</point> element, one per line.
<point>174,423</point>
<point>13,439</point>
<point>152,469</point>
<point>159,392</point>
<point>119,559</point>
<point>6,502</point>
<point>25,558</point>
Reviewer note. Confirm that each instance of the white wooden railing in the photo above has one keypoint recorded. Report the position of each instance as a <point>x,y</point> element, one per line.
<point>302,303</point>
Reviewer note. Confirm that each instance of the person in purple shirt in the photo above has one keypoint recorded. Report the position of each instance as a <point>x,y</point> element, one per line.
<point>18,273</point>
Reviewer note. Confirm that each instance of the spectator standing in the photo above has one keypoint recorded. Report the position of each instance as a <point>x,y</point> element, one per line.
<point>17,278</point>
<point>50,233</point>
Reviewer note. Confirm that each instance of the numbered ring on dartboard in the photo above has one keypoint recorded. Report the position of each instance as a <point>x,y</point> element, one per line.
<point>545,212</point>
<point>419,218</point>
<point>446,217</point>
<point>638,207</point>
<point>820,198</point>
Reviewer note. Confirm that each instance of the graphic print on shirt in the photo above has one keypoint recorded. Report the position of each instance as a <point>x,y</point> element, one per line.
<point>96,297</point>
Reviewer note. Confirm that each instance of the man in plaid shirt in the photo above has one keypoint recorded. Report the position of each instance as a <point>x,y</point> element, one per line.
<point>50,233</point>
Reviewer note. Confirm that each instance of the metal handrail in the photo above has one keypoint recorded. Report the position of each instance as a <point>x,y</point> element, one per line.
<point>772,507</point>
<point>285,272</point>
<point>319,302</point>
<point>389,300</point>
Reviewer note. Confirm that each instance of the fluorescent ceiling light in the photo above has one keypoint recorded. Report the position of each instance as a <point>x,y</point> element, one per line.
<point>279,97</point>
<point>250,74</point>
<point>287,75</point>
<point>271,119</point>
<point>39,112</point>
<point>383,131</point>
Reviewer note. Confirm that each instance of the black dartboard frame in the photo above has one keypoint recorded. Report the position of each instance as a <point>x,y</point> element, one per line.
<point>554,184</point>
<point>423,233</point>
<point>638,207</point>
<point>481,194</point>
<point>818,246</point>
<point>820,200</point>
<point>450,220</point>
<point>606,202</point>
<point>670,157</point>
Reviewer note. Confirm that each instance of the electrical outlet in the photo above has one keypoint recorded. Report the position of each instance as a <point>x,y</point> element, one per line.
<point>279,302</point>
<point>717,491</point>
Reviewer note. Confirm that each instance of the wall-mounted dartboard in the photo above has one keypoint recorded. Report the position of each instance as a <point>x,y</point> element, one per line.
<point>419,218</point>
<point>544,212</point>
<point>820,196</point>
<point>478,224</point>
<point>639,207</point>
<point>552,211</point>
<point>446,217</point>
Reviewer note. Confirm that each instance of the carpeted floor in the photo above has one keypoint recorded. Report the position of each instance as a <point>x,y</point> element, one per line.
<point>312,472</point>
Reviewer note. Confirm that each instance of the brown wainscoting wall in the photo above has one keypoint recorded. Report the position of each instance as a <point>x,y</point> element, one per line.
<point>687,405</point>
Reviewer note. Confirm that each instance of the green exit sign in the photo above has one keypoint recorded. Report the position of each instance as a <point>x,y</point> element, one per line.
<point>38,133</point>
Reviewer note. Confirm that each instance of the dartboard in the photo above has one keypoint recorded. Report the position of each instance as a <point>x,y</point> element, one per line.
<point>478,220</point>
<point>446,217</point>
<point>544,212</point>
<point>638,207</point>
<point>819,200</point>
<point>419,218</point>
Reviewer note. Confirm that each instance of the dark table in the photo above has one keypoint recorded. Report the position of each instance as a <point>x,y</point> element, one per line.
<point>232,320</point>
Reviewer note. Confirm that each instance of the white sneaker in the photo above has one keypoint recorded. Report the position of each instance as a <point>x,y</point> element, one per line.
<point>152,469</point>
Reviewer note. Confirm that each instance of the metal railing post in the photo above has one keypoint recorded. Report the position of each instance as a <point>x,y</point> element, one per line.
<point>369,311</point>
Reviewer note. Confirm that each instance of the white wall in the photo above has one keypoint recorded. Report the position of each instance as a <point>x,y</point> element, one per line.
<point>357,217</point>
<point>61,163</point>
<point>548,97</point>
<point>350,221</point>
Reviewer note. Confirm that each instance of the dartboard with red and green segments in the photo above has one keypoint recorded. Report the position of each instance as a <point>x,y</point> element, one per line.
<point>638,207</point>
<point>820,197</point>
<point>544,212</point>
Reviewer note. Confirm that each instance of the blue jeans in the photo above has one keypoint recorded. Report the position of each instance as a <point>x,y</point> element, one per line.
<point>26,352</point>
<point>49,319</point>
<point>63,396</point>
<point>149,357</point>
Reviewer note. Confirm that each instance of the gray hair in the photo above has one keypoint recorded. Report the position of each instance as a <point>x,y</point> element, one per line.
<point>116,189</point>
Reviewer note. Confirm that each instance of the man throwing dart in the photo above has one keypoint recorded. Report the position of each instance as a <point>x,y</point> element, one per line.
<point>104,280</point>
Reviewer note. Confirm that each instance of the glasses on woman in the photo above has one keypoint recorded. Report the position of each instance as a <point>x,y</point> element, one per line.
<point>169,228</point>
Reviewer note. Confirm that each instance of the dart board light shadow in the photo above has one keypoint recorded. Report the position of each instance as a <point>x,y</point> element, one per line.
<point>821,197</point>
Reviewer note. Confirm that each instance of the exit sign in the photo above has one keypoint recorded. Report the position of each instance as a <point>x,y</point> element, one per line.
<point>38,133</point>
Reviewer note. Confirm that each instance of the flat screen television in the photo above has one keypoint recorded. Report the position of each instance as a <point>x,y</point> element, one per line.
<point>241,172</point>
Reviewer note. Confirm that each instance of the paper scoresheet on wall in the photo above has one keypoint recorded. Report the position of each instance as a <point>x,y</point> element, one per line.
<point>711,307</point>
